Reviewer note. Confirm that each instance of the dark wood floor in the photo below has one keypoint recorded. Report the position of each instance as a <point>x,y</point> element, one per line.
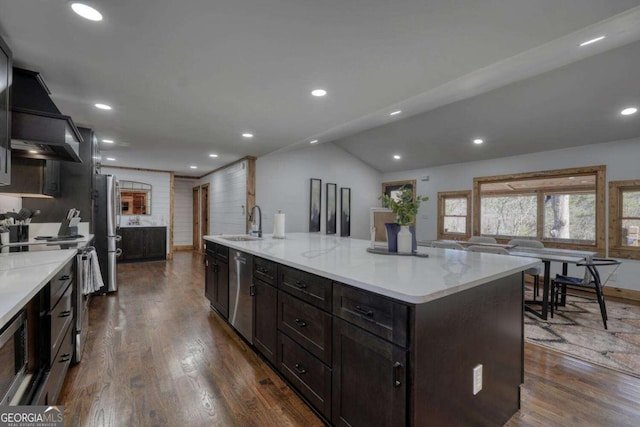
<point>157,356</point>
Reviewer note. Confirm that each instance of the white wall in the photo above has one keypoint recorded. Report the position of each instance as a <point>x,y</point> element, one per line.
<point>183,211</point>
<point>282,183</point>
<point>160,195</point>
<point>227,199</point>
<point>621,158</point>
<point>10,203</point>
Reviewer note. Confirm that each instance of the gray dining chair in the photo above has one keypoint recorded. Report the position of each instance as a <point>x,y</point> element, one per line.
<point>533,271</point>
<point>488,249</point>
<point>482,239</point>
<point>447,245</point>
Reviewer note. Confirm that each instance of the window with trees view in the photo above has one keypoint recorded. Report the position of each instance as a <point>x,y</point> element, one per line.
<point>624,214</point>
<point>454,219</point>
<point>560,208</point>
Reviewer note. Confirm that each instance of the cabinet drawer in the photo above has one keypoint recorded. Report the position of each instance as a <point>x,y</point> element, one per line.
<point>265,270</point>
<point>59,284</point>
<point>61,317</point>
<point>305,324</point>
<point>48,392</point>
<point>313,289</point>
<point>374,313</point>
<point>311,377</point>
<point>210,247</point>
<point>222,252</point>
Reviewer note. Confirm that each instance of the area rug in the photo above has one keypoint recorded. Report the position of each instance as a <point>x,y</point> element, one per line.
<point>577,331</point>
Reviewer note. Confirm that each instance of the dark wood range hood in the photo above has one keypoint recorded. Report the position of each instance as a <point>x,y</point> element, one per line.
<point>38,129</point>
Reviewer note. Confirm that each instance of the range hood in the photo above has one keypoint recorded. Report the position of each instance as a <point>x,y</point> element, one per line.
<point>38,129</point>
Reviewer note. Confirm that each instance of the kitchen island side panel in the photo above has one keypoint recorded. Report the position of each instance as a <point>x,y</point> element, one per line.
<point>452,335</point>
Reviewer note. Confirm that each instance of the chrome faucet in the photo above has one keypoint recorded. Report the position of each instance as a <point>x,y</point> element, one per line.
<point>252,219</point>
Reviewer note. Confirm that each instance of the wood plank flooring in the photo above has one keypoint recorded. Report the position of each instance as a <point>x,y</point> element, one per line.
<point>157,356</point>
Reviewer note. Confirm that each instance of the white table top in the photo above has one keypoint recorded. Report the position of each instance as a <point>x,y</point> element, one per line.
<point>406,278</point>
<point>555,251</point>
<point>549,257</point>
<point>24,274</point>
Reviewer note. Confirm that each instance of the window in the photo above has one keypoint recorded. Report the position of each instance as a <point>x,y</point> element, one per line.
<point>454,219</point>
<point>570,216</point>
<point>499,218</point>
<point>624,217</point>
<point>562,208</point>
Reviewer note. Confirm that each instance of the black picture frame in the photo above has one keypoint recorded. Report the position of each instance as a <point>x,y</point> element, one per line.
<point>315,203</point>
<point>331,207</point>
<point>345,212</point>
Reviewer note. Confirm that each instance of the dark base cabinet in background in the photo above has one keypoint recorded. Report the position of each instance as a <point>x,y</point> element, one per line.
<point>217,277</point>
<point>143,243</point>
<point>362,359</point>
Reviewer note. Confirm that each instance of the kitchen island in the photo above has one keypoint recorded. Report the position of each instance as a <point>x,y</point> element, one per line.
<point>370,339</point>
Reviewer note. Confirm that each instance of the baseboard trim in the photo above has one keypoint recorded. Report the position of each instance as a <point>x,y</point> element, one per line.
<point>183,248</point>
<point>629,294</point>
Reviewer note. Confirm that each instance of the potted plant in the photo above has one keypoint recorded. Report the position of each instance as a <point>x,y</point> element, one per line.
<point>405,206</point>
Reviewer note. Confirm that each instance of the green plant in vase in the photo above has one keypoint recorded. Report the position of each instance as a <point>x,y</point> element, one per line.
<point>405,206</point>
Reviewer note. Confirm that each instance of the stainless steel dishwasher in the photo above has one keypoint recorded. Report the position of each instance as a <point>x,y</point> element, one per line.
<point>241,293</point>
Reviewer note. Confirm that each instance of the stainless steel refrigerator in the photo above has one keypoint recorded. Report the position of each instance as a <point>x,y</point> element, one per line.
<point>106,211</point>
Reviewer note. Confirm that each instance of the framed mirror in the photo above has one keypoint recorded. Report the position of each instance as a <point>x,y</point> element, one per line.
<point>135,198</point>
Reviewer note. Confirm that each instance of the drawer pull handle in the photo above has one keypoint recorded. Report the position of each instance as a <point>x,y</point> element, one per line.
<point>300,323</point>
<point>65,277</point>
<point>65,357</point>
<point>300,285</point>
<point>396,374</point>
<point>262,270</point>
<point>65,313</point>
<point>360,310</point>
<point>301,370</point>
<point>252,290</point>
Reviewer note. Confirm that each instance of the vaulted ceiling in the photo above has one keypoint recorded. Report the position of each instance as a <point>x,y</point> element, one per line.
<point>186,79</point>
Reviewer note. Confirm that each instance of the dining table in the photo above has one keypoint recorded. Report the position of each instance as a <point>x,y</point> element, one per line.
<point>547,256</point>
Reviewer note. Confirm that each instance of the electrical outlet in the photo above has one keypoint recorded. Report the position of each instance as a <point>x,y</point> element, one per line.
<point>477,379</point>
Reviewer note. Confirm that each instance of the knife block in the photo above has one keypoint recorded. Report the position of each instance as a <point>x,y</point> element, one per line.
<point>18,233</point>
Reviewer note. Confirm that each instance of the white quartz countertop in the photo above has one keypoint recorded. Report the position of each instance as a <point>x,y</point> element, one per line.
<point>24,274</point>
<point>407,278</point>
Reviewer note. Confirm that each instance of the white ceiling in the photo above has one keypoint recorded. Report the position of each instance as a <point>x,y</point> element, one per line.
<point>186,78</point>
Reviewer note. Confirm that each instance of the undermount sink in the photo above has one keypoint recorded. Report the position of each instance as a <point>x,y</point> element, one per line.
<point>241,238</point>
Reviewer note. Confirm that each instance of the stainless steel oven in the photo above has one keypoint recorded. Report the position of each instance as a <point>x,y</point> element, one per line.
<point>13,358</point>
<point>84,273</point>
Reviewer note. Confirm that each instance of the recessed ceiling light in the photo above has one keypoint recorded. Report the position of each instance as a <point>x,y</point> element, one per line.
<point>111,159</point>
<point>572,177</point>
<point>87,12</point>
<point>193,167</point>
<point>395,113</point>
<point>318,92</point>
<point>584,182</point>
<point>103,106</point>
<point>247,135</point>
<point>213,155</point>
<point>588,42</point>
<point>478,141</point>
<point>629,111</point>
<point>397,156</point>
<point>33,151</point>
<point>108,141</point>
<point>313,142</point>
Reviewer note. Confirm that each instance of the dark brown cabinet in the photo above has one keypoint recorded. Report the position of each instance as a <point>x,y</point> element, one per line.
<point>217,277</point>
<point>34,176</point>
<point>143,243</point>
<point>369,379</point>
<point>265,331</point>
<point>6,72</point>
